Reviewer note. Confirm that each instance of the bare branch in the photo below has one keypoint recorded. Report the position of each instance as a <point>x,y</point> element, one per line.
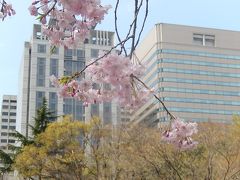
<point>143,25</point>
<point>116,28</point>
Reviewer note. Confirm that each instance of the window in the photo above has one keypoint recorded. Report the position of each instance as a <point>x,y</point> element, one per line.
<point>3,140</point>
<point>4,113</point>
<point>13,107</point>
<point>11,134</point>
<point>5,100</point>
<point>4,127</point>
<point>53,69</point>
<point>67,106</point>
<point>53,102</point>
<point>12,127</point>
<point>79,110</point>
<point>106,86</point>
<point>4,134</point>
<point>12,114</point>
<point>204,39</point>
<point>198,39</point>
<point>11,141</point>
<point>41,66</point>
<point>94,53</point>
<point>12,120</point>
<point>5,107</point>
<point>68,52</point>
<point>39,98</point>
<point>41,48</point>
<point>96,86</point>
<point>4,120</point>
<point>80,53</point>
<point>209,40</point>
<point>13,101</point>
<point>95,109</point>
<point>107,113</point>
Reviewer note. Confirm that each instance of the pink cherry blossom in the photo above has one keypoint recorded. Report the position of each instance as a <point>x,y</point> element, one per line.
<point>180,134</point>
<point>115,70</point>
<point>67,22</point>
<point>33,10</point>
<point>6,10</point>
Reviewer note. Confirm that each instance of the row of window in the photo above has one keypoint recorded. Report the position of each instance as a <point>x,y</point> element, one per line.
<point>199,72</point>
<point>197,53</point>
<point>10,114</point>
<point>69,66</point>
<point>74,52</point>
<point>9,141</point>
<point>9,120</point>
<point>7,134</point>
<point>199,91</point>
<point>200,63</point>
<point>11,101</point>
<point>41,48</point>
<point>187,119</point>
<point>204,39</point>
<point>202,82</point>
<point>201,101</point>
<point>6,107</point>
<point>10,127</point>
<point>197,110</point>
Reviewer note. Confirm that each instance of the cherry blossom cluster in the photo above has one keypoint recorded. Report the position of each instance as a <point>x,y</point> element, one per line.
<point>6,10</point>
<point>114,70</point>
<point>180,134</point>
<point>66,22</point>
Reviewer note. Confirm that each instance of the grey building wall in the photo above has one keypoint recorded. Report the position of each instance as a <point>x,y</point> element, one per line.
<point>38,64</point>
<point>194,70</point>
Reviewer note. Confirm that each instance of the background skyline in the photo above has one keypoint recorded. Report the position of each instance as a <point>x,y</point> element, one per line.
<point>15,30</point>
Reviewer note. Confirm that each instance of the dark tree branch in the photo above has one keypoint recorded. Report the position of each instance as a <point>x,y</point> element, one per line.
<point>116,29</point>
<point>164,106</point>
<point>143,25</point>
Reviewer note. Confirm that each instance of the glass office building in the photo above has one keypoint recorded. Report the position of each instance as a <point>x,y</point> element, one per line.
<point>195,71</point>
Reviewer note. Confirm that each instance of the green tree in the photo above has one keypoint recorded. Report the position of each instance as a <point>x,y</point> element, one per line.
<point>43,117</point>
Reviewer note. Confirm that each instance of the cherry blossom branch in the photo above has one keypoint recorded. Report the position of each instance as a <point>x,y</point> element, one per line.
<point>164,106</point>
<point>78,74</point>
<point>46,14</point>
<point>6,10</point>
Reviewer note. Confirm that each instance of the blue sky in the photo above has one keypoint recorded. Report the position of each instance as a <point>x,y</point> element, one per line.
<point>222,14</point>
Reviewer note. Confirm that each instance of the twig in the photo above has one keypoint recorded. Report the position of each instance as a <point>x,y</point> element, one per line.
<point>164,106</point>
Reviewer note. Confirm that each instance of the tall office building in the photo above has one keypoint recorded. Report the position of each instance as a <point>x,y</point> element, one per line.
<point>8,120</point>
<point>194,70</point>
<point>38,64</point>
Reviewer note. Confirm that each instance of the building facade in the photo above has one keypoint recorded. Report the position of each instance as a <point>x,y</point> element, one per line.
<point>38,64</point>
<point>8,121</point>
<point>195,72</point>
